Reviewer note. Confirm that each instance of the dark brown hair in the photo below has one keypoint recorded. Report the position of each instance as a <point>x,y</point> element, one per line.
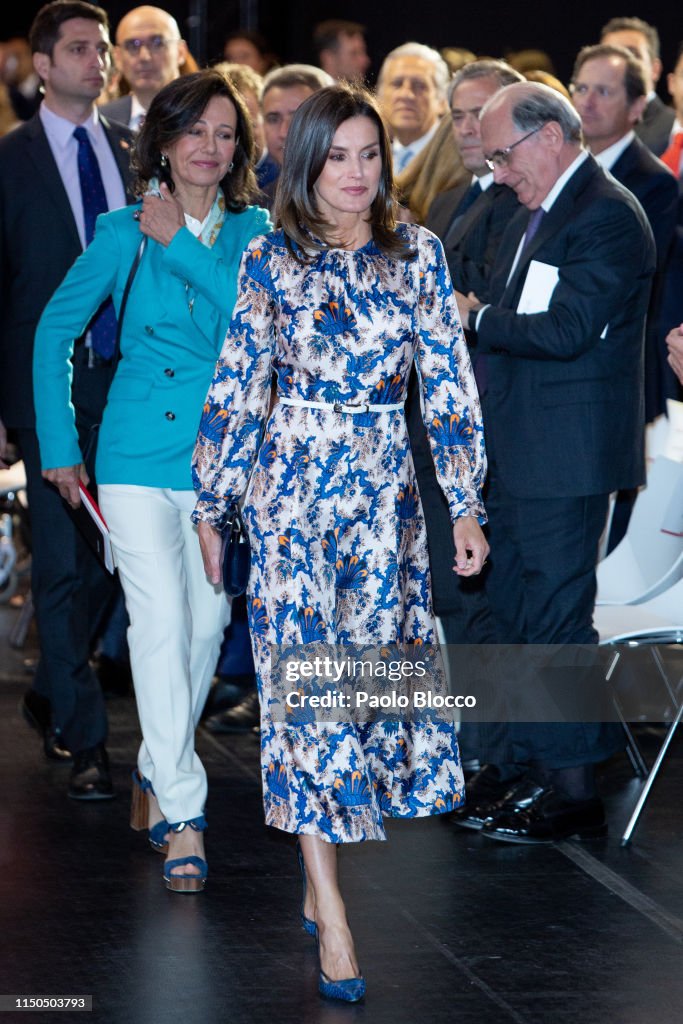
<point>47,24</point>
<point>634,78</point>
<point>173,112</point>
<point>308,144</point>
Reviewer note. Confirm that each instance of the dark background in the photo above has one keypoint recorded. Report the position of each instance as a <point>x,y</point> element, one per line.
<point>491,28</point>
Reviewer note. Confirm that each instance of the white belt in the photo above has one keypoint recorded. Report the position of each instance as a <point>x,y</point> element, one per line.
<point>355,410</point>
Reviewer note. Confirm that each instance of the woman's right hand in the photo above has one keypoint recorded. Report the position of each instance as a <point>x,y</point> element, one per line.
<point>210,542</point>
<point>66,480</point>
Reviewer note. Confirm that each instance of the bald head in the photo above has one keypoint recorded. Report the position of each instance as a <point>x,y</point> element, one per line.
<point>532,134</point>
<point>149,52</point>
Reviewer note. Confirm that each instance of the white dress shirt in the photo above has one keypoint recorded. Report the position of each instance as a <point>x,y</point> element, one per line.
<point>137,114</point>
<point>609,156</point>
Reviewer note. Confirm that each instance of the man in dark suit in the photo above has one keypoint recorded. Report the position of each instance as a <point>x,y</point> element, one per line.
<point>469,220</point>
<point>642,40</point>
<point>149,54</point>
<point>609,92</point>
<point>564,335</point>
<point>672,298</point>
<point>42,222</point>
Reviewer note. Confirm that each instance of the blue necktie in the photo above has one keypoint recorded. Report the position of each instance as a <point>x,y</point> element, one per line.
<point>532,227</point>
<point>103,325</point>
<point>404,159</point>
<point>470,197</point>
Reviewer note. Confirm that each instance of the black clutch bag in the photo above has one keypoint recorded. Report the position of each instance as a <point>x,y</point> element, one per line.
<point>235,555</point>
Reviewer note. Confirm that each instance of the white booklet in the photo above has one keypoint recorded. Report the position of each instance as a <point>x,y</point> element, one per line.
<point>538,289</point>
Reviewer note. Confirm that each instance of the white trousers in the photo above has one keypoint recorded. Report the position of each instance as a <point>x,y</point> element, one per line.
<point>177,620</point>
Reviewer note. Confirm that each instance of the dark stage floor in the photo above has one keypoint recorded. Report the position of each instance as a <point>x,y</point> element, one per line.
<point>450,928</point>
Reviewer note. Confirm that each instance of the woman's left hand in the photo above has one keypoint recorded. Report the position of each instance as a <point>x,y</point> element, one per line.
<point>210,542</point>
<point>163,218</point>
<point>471,546</point>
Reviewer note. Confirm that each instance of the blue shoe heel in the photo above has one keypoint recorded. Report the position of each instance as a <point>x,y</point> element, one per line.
<point>348,990</point>
<point>138,813</point>
<point>309,926</point>
<point>186,883</point>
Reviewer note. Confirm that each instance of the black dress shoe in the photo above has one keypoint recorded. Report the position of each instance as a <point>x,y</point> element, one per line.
<point>547,820</point>
<point>243,718</point>
<point>36,711</point>
<point>484,793</point>
<point>90,775</point>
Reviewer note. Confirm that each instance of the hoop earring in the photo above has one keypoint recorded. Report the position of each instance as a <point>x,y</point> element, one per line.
<point>230,166</point>
<point>164,160</point>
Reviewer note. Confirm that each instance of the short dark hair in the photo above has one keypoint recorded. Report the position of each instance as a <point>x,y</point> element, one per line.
<point>326,33</point>
<point>634,76</point>
<point>291,75</point>
<point>47,24</point>
<point>308,143</point>
<point>172,112</point>
<point>486,67</point>
<point>635,25</point>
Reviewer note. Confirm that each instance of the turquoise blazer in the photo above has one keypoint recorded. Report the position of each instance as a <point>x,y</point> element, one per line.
<point>176,318</point>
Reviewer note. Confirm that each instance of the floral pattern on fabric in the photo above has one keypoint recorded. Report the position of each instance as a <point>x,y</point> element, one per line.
<point>339,551</point>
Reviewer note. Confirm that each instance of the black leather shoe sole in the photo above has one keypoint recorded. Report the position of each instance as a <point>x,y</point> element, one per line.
<point>583,835</point>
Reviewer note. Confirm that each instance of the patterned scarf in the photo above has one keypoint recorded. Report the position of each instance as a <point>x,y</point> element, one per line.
<point>214,221</point>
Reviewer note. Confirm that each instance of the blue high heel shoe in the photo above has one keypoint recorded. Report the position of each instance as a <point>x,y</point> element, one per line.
<point>186,883</point>
<point>348,990</point>
<point>308,925</point>
<point>138,813</point>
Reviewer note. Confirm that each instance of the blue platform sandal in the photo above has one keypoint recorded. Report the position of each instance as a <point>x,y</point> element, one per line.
<point>139,816</point>
<point>308,925</point>
<point>186,883</point>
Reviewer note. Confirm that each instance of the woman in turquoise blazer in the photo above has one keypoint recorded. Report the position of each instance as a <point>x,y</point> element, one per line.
<point>194,159</point>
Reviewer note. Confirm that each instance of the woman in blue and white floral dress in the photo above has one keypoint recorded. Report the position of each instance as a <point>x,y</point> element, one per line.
<point>338,303</point>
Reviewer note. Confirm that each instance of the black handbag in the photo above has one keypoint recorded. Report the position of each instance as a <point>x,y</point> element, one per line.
<point>235,554</point>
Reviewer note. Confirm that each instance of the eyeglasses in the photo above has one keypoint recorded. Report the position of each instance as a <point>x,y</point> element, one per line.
<point>501,158</point>
<point>155,44</point>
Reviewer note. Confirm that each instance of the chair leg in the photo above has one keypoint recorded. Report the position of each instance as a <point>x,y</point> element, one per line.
<point>633,752</point>
<point>633,821</point>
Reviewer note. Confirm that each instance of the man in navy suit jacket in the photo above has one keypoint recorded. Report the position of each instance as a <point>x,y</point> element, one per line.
<point>564,333</point>
<point>41,229</point>
<point>642,40</point>
<point>608,90</point>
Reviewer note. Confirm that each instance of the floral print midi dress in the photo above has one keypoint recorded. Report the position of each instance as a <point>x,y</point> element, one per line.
<point>339,550</point>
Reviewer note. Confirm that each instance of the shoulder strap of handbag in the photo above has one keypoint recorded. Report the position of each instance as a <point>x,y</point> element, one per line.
<point>124,302</point>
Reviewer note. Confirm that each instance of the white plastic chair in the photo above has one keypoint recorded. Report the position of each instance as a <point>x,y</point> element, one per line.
<point>655,622</point>
<point>647,561</point>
